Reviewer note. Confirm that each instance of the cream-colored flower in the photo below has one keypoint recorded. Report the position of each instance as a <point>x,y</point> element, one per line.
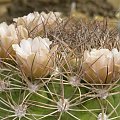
<point>101,66</point>
<point>37,21</point>
<point>35,56</point>
<point>51,17</point>
<point>30,21</point>
<point>8,36</point>
<point>22,32</point>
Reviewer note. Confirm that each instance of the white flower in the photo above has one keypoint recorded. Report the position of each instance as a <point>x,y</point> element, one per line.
<point>37,21</point>
<point>100,66</point>
<point>35,56</point>
<point>8,36</point>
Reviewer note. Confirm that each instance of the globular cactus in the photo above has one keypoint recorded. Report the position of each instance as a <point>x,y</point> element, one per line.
<point>53,68</point>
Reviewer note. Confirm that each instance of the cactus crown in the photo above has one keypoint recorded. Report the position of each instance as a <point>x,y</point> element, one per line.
<point>57,68</point>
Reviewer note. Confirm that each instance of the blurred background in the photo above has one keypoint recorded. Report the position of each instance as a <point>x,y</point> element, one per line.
<point>79,8</point>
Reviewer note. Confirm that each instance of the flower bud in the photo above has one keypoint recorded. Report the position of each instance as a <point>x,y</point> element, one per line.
<point>101,66</point>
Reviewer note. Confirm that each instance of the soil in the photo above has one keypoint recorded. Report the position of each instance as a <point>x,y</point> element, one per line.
<point>96,7</point>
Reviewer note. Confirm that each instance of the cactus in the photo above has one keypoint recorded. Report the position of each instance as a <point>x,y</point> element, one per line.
<point>53,68</point>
